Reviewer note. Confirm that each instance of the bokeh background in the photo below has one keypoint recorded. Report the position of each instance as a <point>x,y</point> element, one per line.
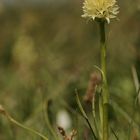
<point>47,51</point>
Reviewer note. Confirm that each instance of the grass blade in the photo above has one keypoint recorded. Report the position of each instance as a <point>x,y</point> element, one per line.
<point>84,115</point>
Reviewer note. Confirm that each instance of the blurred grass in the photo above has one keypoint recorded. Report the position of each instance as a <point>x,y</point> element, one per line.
<point>49,50</point>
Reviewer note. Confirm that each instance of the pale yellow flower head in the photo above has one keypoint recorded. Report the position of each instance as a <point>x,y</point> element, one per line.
<point>100,9</point>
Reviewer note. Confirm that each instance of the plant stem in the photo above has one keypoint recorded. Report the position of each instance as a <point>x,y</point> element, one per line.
<point>45,110</point>
<point>105,93</point>
<point>85,115</point>
<point>25,127</point>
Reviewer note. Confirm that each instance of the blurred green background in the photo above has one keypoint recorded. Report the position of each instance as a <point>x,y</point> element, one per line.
<point>47,51</point>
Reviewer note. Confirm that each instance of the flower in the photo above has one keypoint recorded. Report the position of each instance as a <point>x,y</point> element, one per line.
<point>100,9</point>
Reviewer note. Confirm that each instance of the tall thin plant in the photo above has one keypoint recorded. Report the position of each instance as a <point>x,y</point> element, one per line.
<point>102,11</point>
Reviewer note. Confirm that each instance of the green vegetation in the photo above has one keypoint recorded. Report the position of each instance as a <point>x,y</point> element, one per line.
<point>48,51</point>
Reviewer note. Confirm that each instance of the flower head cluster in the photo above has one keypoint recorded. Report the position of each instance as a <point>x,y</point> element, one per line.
<point>100,9</point>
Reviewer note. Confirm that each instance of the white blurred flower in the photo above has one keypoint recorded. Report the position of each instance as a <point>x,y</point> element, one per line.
<point>63,119</point>
<point>100,9</point>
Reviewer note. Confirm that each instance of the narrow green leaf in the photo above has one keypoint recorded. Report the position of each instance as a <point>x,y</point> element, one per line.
<point>80,106</point>
<point>84,115</point>
<point>114,133</point>
<point>45,110</point>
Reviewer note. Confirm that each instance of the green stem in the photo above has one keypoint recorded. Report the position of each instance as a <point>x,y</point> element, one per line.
<point>45,109</point>
<point>94,119</point>
<point>105,93</point>
<point>25,127</point>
